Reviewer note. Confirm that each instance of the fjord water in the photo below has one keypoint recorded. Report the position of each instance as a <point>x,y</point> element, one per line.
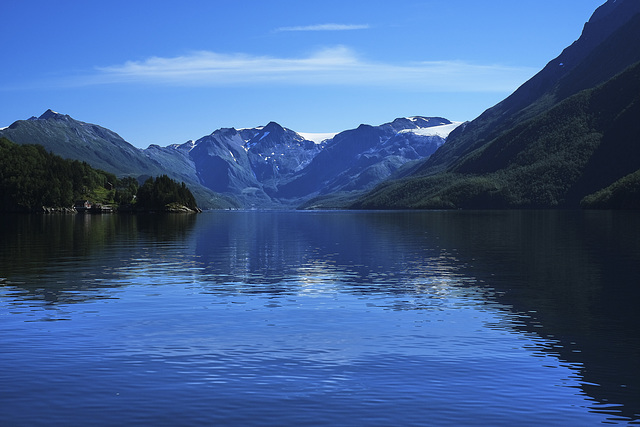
<point>321,318</point>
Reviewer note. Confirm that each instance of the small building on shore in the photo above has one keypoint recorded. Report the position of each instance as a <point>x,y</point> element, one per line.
<point>82,205</point>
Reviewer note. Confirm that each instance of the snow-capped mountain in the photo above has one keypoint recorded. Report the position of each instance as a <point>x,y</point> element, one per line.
<point>358,159</point>
<point>274,166</point>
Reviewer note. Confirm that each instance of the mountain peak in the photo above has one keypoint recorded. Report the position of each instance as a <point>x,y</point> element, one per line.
<point>273,127</point>
<point>268,135</point>
<point>605,9</point>
<point>418,122</point>
<point>50,114</point>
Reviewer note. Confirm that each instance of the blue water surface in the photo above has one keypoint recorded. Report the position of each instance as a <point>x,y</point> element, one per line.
<point>318,318</point>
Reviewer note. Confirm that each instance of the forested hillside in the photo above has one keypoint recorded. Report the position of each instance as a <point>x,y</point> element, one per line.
<point>32,178</point>
<point>162,193</point>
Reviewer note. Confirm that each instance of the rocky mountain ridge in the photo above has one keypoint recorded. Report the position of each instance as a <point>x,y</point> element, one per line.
<point>264,167</point>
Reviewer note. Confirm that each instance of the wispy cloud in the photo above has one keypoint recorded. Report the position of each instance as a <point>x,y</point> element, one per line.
<point>324,27</point>
<point>334,66</point>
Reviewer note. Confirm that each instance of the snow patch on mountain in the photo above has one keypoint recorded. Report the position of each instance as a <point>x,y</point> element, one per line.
<point>50,114</point>
<point>186,147</point>
<point>415,119</point>
<point>234,157</point>
<point>317,137</point>
<point>264,135</point>
<point>442,131</point>
<point>255,128</point>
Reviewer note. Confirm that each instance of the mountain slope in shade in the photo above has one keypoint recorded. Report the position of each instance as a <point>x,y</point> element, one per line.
<point>222,164</point>
<point>548,144</point>
<point>556,159</point>
<point>606,47</point>
<point>73,139</point>
<point>276,152</point>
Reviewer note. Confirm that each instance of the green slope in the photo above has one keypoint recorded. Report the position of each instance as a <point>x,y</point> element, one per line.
<point>32,180</point>
<point>31,177</point>
<point>622,194</point>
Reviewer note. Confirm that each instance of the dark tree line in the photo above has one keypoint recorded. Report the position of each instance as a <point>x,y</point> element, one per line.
<point>156,194</point>
<point>31,177</point>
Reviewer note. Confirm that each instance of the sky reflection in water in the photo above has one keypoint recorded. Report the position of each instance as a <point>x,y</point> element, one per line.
<point>289,318</point>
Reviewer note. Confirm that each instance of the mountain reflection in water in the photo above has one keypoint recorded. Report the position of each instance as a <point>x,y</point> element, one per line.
<point>568,281</point>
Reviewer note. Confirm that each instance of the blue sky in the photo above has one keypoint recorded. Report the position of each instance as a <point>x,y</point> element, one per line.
<point>165,72</point>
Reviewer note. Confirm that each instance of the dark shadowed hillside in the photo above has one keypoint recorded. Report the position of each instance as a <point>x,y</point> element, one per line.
<point>73,139</point>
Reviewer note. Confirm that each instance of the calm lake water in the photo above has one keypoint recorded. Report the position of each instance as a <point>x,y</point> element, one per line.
<point>321,318</point>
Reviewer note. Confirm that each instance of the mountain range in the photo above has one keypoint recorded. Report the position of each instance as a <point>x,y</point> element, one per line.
<point>569,132</point>
<point>264,167</point>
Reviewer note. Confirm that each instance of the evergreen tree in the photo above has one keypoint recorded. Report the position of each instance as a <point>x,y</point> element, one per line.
<point>156,194</point>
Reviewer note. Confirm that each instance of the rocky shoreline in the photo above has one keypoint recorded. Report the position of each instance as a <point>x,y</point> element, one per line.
<point>173,208</point>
